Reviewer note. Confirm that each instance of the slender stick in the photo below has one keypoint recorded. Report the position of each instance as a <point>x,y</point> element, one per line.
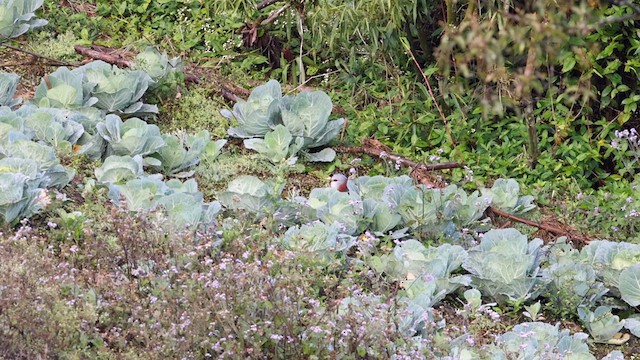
<point>435,102</point>
<point>546,227</point>
<point>263,4</point>
<point>397,159</point>
<point>274,15</point>
<point>53,61</point>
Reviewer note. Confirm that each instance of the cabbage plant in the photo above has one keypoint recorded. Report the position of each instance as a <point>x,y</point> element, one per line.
<point>413,263</point>
<point>610,259</point>
<point>119,90</point>
<point>303,120</point>
<point>277,145</point>
<point>181,201</point>
<point>55,127</point>
<point>380,197</point>
<point>132,137</point>
<point>537,340</point>
<point>118,169</point>
<point>505,266</point>
<point>571,281</point>
<point>11,127</point>
<point>325,241</point>
<point>504,195</point>
<point>182,152</point>
<point>162,70</point>
<point>18,16</point>
<point>22,189</point>
<point>307,116</point>
<point>251,194</point>
<point>601,323</point>
<point>438,212</point>
<point>256,116</point>
<point>8,86</point>
<point>57,175</point>
<point>98,84</point>
<point>332,206</point>
<point>64,89</point>
<point>629,283</point>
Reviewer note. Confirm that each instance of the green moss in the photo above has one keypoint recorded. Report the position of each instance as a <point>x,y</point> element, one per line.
<point>56,47</point>
<point>196,110</point>
<point>213,175</point>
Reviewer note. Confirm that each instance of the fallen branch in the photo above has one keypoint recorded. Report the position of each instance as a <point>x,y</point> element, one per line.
<point>108,55</point>
<point>228,90</point>
<point>546,227</point>
<point>227,94</point>
<point>102,55</point>
<point>395,158</point>
<point>52,61</point>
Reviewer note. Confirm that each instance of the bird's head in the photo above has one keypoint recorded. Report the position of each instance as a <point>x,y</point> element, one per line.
<point>338,182</point>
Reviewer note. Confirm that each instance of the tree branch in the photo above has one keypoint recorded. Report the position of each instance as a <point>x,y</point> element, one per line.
<point>274,15</point>
<point>263,4</point>
<point>51,60</point>
<point>100,55</point>
<point>614,19</point>
<point>583,240</point>
<point>397,159</point>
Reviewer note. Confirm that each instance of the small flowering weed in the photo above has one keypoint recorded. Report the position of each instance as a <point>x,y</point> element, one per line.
<point>132,288</point>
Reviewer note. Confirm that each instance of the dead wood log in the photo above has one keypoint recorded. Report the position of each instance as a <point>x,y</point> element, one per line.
<point>98,53</point>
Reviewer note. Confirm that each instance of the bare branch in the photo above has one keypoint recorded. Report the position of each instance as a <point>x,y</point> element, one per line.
<point>395,158</point>
<point>52,61</point>
<point>583,240</point>
<point>274,15</point>
<point>263,4</point>
<point>100,55</point>
<point>615,19</point>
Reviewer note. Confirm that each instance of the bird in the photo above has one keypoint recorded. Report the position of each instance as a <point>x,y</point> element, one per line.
<point>339,182</point>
